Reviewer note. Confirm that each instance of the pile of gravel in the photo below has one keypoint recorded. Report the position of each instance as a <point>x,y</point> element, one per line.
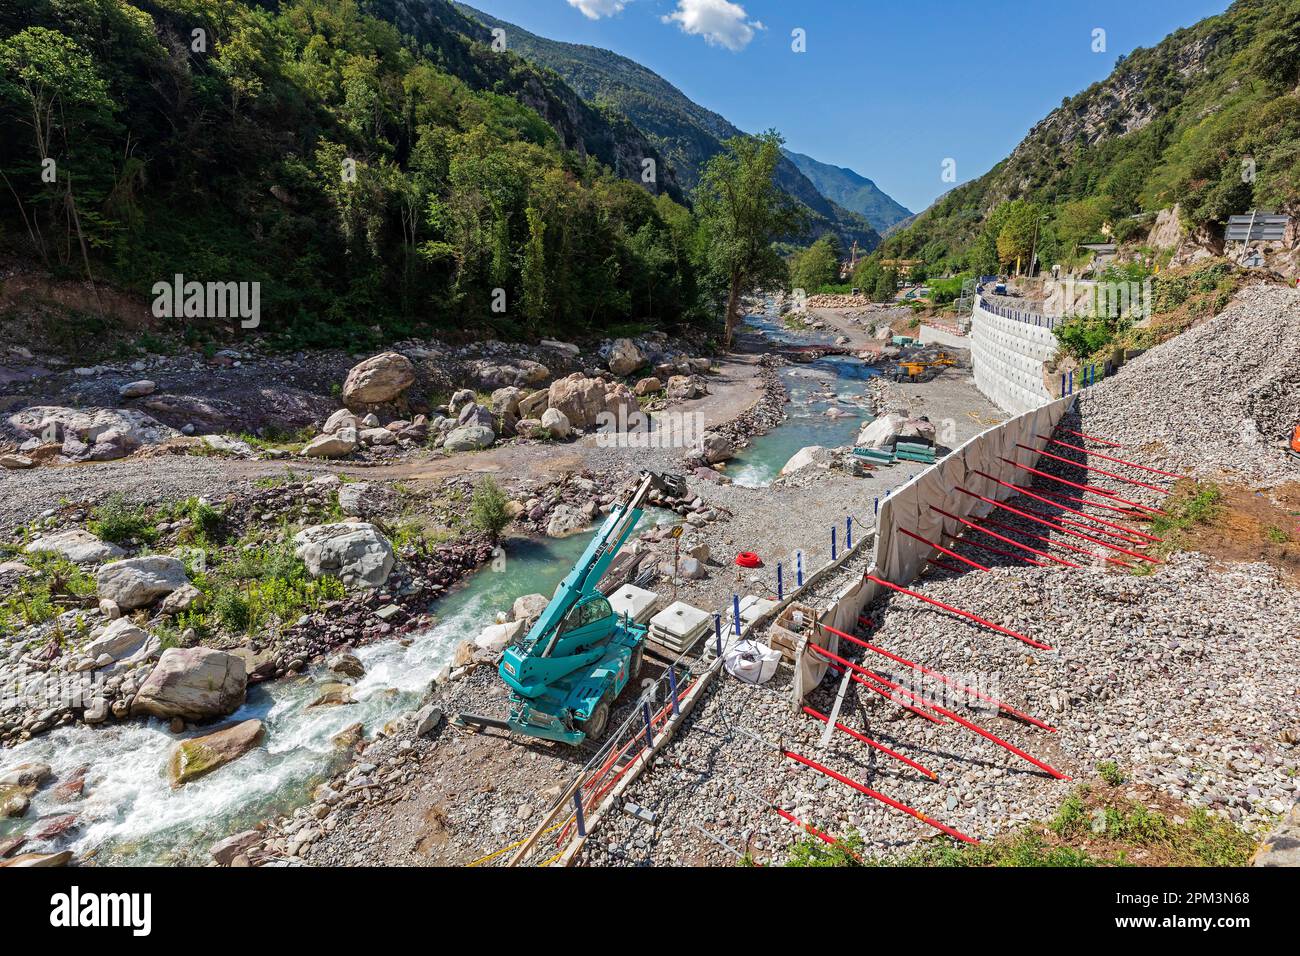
<point>1220,398</point>
<point>1187,692</point>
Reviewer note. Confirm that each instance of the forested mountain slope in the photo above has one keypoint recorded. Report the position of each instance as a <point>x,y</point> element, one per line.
<point>1208,119</point>
<point>374,182</point>
<point>851,190</point>
<point>687,133</point>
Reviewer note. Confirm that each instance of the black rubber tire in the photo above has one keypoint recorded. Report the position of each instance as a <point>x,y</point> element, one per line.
<point>594,726</point>
<point>634,668</point>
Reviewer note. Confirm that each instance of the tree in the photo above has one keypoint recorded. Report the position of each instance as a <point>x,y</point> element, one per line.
<point>53,80</point>
<point>1015,240</point>
<point>886,286</point>
<point>818,265</point>
<point>742,212</point>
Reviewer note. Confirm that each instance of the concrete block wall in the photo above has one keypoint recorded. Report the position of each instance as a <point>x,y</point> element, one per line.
<point>1008,355</point>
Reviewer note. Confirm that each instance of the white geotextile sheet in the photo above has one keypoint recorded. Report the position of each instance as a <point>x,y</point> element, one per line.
<point>900,558</point>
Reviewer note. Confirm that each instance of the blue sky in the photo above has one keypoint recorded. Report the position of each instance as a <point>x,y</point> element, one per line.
<point>890,88</point>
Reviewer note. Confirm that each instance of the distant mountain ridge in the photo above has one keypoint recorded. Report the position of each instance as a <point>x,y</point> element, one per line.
<point>686,133</point>
<point>851,190</point>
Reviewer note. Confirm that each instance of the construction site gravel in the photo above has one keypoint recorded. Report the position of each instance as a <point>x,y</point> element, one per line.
<point>1182,673</point>
<point>1219,399</point>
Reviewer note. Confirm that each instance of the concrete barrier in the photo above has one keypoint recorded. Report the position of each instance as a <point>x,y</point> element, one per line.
<point>935,335</point>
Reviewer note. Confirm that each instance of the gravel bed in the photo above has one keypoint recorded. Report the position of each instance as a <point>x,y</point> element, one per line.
<point>1220,399</point>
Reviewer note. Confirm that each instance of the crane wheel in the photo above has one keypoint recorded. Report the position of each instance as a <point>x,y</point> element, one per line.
<point>634,668</point>
<point>594,726</point>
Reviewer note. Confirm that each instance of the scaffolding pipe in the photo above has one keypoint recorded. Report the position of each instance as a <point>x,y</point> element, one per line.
<point>875,795</point>
<point>1099,491</point>
<point>945,712</point>
<point>1057,527</point>
<point>1056,544</point>
<point>841,668</point>
<point>1112,444</point>
<point>1100,471</point>
<point>966,614</point>
<point>1102,521</point>
<point>972,524</point>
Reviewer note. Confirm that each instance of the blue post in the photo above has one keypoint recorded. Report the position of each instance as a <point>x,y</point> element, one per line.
<point>1062,383</point>
<point>798,568</point>
<point>1071,381</point>
<point>833,550</point>
<point>848,533</point>
<point>735,611</point>
<point>780,583</point>
<point>649,732</point>
<point>717,631</point>
<point>876,506</point>
<point>577,812</point>
<point>672,686</point>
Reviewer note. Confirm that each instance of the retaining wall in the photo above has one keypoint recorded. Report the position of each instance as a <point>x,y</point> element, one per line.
<point>900,558</point>
<point>1008,349</point>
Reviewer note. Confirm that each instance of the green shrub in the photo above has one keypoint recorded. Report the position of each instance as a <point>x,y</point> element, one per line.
<point>487,509</point>
<point>119,522</point>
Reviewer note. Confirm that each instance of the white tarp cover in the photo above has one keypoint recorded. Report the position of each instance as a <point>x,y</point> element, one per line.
<point>899,558</point>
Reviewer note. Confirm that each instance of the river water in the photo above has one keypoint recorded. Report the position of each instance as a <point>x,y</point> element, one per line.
<point>130,814</point>
<point>836,382</point>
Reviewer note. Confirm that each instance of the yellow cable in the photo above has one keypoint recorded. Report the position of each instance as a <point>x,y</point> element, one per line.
<point>517,843</point>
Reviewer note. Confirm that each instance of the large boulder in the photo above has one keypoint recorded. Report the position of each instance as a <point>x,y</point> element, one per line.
<point>883,432</point>
<point>919,429</point>
<point>624,357</point>
<point>332,445</point>
<point>505,401</point>
<point>139,582</point>
<point>648,386</point>
<point>556,423</point>
<point>340,419</point>
<point>199,756</point>
<point>475,414</point>
<point>590,402</point>
<point>533,404</point>
<point>495,638</point>
<point>355,552</point>
<point>125,643</point>
<point>75,545</point>
<point>811,455</point>
<point>529,608</point>
<point>382,378</point>
<point>713,448</point>
<point>567,520</point>
<point>91,428</point>
<point>192,683</point>
<point>469,438</point>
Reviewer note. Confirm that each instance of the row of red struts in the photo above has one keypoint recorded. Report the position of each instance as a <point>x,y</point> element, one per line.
<point>1057,514</point>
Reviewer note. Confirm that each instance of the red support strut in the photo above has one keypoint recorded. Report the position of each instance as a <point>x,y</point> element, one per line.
<point>1119,461</point>
<point>940,547</point>
<point>955,610</point>
<point>875,795</point>
<point>1108,474</point>
<point>872,743</point>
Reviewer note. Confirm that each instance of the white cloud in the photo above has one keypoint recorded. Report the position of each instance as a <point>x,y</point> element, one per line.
<point>720,22</point>
<point>595,9</point>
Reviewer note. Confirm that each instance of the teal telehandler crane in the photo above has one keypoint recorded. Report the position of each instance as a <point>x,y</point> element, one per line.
<point>570,667</point>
